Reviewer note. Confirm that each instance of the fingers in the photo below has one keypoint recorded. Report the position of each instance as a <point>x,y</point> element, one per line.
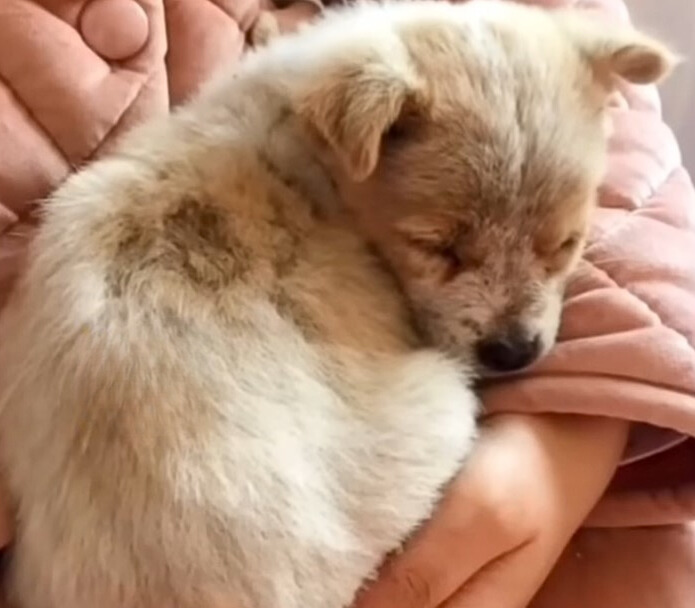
<point>510,581</point>
<point>457,542</point>
<point>481,517</point>
<point>431,567</point>
<point>526,488</point>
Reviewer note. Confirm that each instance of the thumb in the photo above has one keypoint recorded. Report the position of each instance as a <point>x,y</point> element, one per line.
<point>510,581</point>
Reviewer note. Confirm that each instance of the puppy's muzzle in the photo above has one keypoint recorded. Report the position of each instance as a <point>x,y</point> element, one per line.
<point>508,351</point>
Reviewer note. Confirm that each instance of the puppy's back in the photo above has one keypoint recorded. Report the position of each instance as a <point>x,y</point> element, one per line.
<point>209,397</point>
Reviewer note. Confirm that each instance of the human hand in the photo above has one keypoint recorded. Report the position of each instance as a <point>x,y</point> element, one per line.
<point>507,517</point>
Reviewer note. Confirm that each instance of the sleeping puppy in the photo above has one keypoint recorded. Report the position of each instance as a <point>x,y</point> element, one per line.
<point>214,393</point>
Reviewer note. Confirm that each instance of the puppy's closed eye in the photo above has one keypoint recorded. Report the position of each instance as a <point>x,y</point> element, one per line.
<point>445,257</point>
<point>557,257</point>
<point>431,231</point>
<point>569,244</point>
<point>446,251</point>
<point>438,238</point>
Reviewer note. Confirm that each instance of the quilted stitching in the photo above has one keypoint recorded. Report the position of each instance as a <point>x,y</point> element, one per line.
<point>62,104</point>
<point>71,100</point>
<point>202,35</point>
<point>30,162</point>
<point>35,122</point>
<point>651,179</point>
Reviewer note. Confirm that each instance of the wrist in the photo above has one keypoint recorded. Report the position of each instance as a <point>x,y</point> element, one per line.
<point>566,460</point>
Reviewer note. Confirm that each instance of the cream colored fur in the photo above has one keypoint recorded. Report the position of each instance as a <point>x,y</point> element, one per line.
<point>212,392</point>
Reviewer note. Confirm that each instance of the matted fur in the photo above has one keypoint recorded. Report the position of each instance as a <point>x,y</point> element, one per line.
<point>212,392</point>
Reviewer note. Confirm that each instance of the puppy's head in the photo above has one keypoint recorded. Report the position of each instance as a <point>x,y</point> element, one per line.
<point>470,140</point>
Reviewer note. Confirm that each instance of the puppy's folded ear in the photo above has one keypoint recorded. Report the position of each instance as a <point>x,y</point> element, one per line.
<point>352,104</point>
<point>618,51</point>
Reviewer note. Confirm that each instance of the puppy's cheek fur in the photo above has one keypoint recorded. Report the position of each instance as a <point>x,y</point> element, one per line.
<point>544,321</point>
<point>453,315</point>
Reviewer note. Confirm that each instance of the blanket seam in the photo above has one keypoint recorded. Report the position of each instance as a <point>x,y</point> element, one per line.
<point>89,157</point>
<point>603,375</point>
<point>34,119</point>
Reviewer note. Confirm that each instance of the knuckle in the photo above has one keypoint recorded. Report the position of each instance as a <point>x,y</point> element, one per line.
<point>516,520</point>
<point>416,590</point>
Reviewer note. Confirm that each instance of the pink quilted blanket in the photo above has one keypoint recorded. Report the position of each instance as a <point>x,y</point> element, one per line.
<point>75,74</point>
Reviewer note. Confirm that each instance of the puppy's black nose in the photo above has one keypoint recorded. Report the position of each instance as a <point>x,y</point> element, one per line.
<point>508,353</point>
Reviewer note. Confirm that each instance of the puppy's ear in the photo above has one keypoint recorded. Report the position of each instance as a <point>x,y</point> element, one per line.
<point>615,50</point>
<point>351,106</point>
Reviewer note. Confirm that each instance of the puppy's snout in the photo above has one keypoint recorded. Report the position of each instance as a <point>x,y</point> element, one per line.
<point>508,352</point>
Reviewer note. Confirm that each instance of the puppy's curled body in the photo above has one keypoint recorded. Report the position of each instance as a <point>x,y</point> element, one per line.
<point>211,392</point>
<point>211,395</point>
